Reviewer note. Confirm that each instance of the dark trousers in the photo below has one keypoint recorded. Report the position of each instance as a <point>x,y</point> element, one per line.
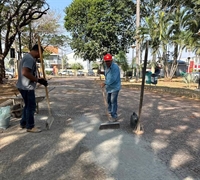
<point>29,108</point>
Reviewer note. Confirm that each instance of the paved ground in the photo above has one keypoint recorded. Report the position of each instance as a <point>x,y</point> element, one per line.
<point>74,148</point>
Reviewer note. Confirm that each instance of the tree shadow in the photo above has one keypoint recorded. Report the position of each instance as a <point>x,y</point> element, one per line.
<point>74,148</point>
<point>172,130</point>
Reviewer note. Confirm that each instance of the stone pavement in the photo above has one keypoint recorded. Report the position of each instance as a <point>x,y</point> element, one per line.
<point>75,149</point>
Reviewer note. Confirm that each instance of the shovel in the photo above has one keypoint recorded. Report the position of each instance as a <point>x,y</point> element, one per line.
<point>50,119</point>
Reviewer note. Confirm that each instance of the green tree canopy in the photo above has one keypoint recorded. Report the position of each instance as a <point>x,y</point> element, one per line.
<point>76,66</point>
<point>99,26</point>
<point>121,60</point>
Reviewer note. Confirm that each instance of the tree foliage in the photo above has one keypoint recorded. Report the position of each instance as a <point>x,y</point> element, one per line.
<point>121,60</point>
<point>13,17</point>
<point>49,28</point>
<point>76,66</point>
<point>99,26</point>
<point>170,24</point>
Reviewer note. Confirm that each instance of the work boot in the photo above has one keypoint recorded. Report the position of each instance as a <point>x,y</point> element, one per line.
<point>114,119</point>
<point>34,130</point>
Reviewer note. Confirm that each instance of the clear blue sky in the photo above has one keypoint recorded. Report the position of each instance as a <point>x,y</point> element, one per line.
<point>59,5</point>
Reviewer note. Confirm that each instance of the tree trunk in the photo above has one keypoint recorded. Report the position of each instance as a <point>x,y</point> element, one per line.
<point>153,63</point>
<point>2,69</point>
<point>174,65</point>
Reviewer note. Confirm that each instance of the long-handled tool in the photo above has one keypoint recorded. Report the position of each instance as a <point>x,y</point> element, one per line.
<point>110,124</point>
<point>138,128</point>
<point>50,119</point>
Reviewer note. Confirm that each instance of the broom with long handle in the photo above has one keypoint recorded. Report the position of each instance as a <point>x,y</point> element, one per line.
<point>50,119</point>
<point>109,124</point>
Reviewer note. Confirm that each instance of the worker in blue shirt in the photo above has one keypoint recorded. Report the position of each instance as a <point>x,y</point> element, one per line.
<point>112,84</point>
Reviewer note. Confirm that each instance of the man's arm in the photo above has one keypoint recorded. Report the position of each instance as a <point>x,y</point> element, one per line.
<point>27,73</point>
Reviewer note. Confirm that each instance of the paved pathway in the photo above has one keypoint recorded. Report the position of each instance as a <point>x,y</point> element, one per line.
<point>74,148</point>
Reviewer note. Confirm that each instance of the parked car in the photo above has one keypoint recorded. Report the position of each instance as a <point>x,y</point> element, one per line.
<point>62,73</point>
<point>9,73</point>
<point>65,73</point>
<point>80,73</point>
<point>90,73</point>
<point>70,73</point>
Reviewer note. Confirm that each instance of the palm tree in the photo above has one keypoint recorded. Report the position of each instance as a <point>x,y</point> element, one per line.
<point>180,33</point>
<point>121,60</point>
<point>154,31</point>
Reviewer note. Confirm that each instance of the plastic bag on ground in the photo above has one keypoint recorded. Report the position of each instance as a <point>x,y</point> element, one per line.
<point>4,117</point>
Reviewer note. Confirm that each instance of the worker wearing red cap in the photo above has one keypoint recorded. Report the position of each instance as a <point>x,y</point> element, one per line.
<point>112,84</point>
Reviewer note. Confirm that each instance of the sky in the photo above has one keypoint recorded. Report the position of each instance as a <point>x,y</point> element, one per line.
<point>59,6</point>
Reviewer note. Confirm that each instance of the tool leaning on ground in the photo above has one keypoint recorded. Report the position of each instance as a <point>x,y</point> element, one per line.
<point>50,118</point>
<point>135,119</point>
<point>109,124</point>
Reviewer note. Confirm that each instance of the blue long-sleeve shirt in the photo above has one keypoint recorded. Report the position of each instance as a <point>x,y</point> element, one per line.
<point>112,78</point>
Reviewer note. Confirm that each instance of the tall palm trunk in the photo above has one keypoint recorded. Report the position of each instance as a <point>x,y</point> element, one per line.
<point>174,64</point>
<point>137,40</point>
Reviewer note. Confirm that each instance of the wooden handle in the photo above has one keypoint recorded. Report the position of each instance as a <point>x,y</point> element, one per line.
<point>43,72</point>
<point>41,57</point>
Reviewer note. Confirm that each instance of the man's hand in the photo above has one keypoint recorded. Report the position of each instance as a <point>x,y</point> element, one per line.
<point>43,81</point>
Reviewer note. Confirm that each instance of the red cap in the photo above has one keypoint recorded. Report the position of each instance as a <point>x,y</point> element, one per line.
<point>107,57</point>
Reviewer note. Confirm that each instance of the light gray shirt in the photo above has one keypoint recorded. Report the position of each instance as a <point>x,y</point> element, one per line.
<point>24,83</point>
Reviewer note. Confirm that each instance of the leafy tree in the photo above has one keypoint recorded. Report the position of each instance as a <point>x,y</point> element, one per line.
<point>76,66</point>
<point>121,60</point>
<point>95,65</point>
<point>99,26</point>
<point>155,30</point>
<point>48,28</point>
<point>64,61</point>
<point>13,17</point>
<point>170,24</point>
<point>180,31</point>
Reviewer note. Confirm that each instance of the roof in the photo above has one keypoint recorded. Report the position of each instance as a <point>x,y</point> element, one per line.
<point>52,49</point>
<point>179,61</point>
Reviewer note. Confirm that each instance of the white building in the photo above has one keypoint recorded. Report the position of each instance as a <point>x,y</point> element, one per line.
<point>55,59</point>
<point>72,59</point>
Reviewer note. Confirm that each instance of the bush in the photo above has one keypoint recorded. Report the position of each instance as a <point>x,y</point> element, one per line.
<point>49,72</point>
